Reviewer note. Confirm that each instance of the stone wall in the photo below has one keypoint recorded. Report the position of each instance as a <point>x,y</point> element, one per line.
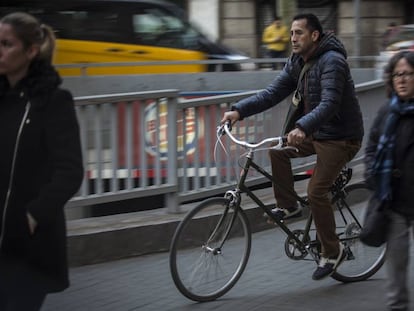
<point>374,18</point>
<point>238,23</point>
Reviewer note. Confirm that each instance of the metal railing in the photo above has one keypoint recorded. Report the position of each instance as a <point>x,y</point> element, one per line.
<point>114,131</point>
<point>82,69</point>
<point>156,143</point>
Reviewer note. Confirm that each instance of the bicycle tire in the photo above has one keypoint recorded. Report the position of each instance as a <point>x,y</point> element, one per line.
<point>200,271</point>
<point>362,261</point>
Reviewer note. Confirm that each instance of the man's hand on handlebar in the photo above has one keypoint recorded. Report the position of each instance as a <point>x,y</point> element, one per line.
<point>296,137</point>
<point>233,116</point>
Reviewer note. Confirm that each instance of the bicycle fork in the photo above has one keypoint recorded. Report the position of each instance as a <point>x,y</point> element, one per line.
<point>234,201</point>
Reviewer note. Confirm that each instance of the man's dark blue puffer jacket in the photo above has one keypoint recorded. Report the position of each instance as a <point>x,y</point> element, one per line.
<point>327,88</point>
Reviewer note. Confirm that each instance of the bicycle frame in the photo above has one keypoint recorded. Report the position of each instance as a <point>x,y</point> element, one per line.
<point>337,192</point>
<point>242,188</point>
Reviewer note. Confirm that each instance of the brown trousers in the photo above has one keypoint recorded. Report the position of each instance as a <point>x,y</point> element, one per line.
<point>331,156</point>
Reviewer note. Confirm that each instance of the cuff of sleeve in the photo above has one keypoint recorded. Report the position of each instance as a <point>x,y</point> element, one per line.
<point>301,128</point>
<point>234,108</point>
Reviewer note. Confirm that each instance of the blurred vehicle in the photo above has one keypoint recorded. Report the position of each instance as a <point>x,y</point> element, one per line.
<point>401,40</point>
<point>105,31</point>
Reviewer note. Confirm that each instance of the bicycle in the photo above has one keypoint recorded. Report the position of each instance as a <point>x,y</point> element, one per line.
<point>211,245</point>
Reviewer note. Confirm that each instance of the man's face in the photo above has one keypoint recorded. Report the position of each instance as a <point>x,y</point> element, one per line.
<point>303,41</point>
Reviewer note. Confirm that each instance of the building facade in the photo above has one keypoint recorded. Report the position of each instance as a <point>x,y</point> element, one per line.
<point>358,23</point>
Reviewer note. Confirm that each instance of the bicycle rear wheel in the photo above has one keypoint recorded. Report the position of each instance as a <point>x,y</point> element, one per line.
<point>210,250</point>
<point>362,261</point>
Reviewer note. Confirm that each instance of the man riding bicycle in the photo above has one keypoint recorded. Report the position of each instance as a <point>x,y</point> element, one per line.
<point>324,119</point>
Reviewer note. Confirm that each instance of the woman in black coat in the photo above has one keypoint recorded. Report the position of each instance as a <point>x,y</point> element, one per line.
<point>389,160</point>
<point>40,165</point>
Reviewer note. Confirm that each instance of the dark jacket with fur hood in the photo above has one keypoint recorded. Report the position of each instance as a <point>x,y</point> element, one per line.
<point>41,168</point>
<point>333,111</point>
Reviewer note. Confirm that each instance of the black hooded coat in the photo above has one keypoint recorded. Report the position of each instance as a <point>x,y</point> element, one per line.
<point>40,170</point>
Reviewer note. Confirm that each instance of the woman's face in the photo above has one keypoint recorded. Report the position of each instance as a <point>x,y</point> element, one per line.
<point>14,58</point>
<point>403,79</point>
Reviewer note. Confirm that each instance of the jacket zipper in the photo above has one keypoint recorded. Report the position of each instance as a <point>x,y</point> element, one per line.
<point>6,203</point>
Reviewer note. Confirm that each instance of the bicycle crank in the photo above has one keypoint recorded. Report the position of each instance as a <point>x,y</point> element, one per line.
<point>292,249</point>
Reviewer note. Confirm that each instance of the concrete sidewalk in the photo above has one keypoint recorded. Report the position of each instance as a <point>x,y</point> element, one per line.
<point>271,282</point>
<point>106,238</point>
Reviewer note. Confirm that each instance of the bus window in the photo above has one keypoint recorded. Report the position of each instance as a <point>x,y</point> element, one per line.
<point>93,24</point>
<point>154,27</point>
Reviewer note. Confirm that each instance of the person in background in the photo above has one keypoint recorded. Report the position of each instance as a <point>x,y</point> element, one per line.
<point>40,165</point>
<point>276,38</point>
<point>389,162</point>
<point>327,122</point>
<point>389,32</point>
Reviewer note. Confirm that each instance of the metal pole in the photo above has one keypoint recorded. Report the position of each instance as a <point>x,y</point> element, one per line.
<point>357,37</point>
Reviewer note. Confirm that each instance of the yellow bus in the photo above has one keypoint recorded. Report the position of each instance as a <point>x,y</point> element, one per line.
<point>124,31</point>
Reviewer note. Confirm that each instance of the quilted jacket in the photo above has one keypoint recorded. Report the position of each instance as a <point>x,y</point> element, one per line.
<point>333,111</point>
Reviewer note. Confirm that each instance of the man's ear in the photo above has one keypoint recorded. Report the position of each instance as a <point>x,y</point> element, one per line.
<point>315,35</point>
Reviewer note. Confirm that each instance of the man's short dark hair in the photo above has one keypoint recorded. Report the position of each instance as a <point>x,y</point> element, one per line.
<point>312,22</point>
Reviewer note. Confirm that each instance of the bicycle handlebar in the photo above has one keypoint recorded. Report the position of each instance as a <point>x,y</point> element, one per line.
<point>226,129</point>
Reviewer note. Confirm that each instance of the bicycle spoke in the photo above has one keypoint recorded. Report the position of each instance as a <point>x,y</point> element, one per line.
<point>362,261</point>
<point>210,250</point>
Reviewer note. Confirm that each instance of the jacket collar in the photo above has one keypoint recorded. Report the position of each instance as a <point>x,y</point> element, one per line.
<point>329,42</point>
<point>40,81</point>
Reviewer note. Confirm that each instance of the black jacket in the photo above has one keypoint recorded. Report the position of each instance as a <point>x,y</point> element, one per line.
<point>403,175</point>
<point>327,88</point>
<point>47,172</point>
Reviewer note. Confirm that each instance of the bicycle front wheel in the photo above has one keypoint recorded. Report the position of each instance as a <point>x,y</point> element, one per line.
<point>210,250</point>
<point>362,261</point>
